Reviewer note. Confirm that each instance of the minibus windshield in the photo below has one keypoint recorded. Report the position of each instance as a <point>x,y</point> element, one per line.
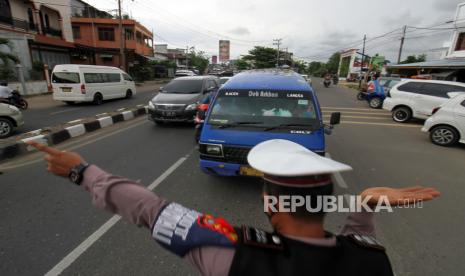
<point>65,77</point>
<point>265,109</point>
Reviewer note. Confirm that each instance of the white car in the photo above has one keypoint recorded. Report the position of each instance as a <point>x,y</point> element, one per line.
<point>417,98</point>
<point>447,125</point>
<point>10,119</point>
<point>89,83</point>
<point>184,73</point>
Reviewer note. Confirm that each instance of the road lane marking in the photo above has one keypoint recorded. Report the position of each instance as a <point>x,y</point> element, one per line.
<point>381,124</point>
<point>87,243</point>
<point>362,113</point>
<point>357,117</point>
<point>74,121</point>
<point>338,177</point>
<point>351,108</point>
<point>64,111</point>
<point>76,144</point>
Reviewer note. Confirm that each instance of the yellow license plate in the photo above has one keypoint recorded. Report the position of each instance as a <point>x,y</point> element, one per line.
<point>66,89</point>
<point>248,171</point>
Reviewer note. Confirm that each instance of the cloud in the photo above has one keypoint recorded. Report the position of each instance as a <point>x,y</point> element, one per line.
<point>240,31</point>
<point>446,5</point>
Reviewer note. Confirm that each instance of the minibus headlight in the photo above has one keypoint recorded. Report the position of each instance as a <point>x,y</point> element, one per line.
<point>214,150</point>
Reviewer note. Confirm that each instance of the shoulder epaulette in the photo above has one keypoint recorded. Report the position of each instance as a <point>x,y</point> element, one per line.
<point>366,241</point>
<point>259,238</point>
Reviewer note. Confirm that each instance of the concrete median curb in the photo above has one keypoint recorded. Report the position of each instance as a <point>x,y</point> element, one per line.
<point>68,132</point>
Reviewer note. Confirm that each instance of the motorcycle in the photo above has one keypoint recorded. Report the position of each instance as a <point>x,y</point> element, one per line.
<point>327,82</point>
<point>199,119</point>
<point>16,99</point>
<point>375,100</point>
<point>335,80</point>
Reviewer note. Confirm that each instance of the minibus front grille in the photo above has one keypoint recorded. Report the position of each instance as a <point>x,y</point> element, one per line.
<point>236,154</point>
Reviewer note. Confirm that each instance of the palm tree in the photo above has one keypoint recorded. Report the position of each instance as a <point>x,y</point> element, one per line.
<point>5,58</point>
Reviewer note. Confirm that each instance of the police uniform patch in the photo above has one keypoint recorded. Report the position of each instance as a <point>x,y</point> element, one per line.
<point>366,241</point>
<point>180,230</point>
<point>259,238</point>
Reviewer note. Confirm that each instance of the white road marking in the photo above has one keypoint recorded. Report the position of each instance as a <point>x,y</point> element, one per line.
<point>351,108</point>
<point>74,121</point>
<point>338,177</point>
<point>64,111</point>
<point>357,112</point>
<point>380,124</point>
<point>87,243</point>
<point>121,109</point>
<point>357,117</point>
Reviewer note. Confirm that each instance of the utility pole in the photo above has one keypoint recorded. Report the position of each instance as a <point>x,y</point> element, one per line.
<point>363,60</point>
<point>187,57</point>
<point>122,58</point>
<point>277,42</point>
<point>402,43</point>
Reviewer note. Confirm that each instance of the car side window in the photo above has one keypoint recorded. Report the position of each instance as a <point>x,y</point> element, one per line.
<point>412,87</point>
<point>454,88</point>
<point>211,84</point>
<point>127,77</point>
<point>435,90</point>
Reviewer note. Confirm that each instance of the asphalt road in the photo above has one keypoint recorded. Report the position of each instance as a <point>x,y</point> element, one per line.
<point>44,218</point>
<point>44,111</point>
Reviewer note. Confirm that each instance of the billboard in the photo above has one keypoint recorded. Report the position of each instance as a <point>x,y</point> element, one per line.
<point>224,50</point>
<point>214,59</point>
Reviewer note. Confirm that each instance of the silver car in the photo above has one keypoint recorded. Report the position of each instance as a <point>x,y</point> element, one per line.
<point>10,119</point>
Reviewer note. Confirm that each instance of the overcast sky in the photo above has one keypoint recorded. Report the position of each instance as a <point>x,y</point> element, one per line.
<point>310,29</point>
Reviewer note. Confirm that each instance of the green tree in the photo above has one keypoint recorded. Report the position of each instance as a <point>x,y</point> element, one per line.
<point>262,57</point>
<point>300,66</point>
<point>316,68</point>
<point>414,59</point>
<point>333,63</point>
<point>5,71</point>
<point>199,60</point>
<point>242,64</point>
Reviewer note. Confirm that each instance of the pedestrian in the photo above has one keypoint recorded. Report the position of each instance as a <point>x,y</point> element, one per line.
<point>299,244</point>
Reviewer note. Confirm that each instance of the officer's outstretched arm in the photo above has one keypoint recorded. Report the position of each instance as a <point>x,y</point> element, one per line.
<point>402,196</point>
<point>362,223</point>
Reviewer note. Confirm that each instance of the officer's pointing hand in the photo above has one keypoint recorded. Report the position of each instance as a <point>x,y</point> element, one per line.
<point>59,162</point>
<point>401,196</point>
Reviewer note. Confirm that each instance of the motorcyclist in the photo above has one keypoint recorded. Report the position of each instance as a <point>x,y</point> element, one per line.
<point>5,91</point>
<point>374,86</point>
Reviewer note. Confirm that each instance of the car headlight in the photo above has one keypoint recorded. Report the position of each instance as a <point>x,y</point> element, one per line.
<point>151,106</point>
<point>14,109</point>
<point>216,150</point>
<point>192,106</point>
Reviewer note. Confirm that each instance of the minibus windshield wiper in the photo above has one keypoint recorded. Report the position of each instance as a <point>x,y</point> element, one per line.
<point>286,126</point>
<point>234,124</point>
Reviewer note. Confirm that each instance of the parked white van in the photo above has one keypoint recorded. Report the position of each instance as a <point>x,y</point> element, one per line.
<point>89,83</point>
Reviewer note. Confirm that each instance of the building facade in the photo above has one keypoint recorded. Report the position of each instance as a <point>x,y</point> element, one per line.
<point>38,31</point>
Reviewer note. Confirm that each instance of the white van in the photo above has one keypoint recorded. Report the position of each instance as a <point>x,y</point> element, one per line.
<point>89,83</point>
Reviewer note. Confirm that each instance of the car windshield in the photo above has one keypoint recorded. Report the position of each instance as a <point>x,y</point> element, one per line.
<point>264,109</point>
<point>65,77</point>
<point>223,81</point>
<point>181,86</point>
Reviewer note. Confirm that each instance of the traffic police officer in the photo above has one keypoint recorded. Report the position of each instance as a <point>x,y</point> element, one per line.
<point>298,246</point>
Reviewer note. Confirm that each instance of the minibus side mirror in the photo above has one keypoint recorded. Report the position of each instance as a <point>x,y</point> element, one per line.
<point>160,89</point>
<point>335,118</point>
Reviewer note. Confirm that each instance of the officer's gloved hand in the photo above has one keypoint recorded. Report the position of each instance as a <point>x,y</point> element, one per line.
<point>59,162</point>
<point>402,196</point>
